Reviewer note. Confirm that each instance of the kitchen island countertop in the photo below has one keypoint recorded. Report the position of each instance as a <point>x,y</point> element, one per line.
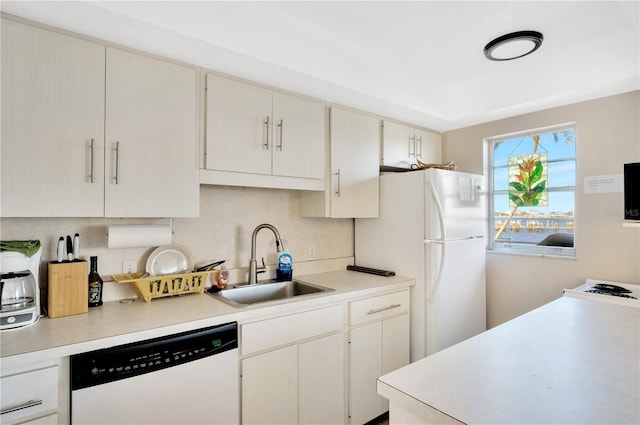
<point>116,323</point>
<point>572,361</point>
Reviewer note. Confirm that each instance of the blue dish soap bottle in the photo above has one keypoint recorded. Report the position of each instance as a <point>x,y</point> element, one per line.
<point>285,265</point>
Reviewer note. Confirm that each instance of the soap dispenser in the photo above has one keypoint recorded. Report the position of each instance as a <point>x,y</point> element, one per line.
<point>285,264</point>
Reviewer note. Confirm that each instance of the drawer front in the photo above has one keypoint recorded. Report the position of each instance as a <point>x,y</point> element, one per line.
<point>378,308</point>
<point>283,330</point>
<point>30,393</point>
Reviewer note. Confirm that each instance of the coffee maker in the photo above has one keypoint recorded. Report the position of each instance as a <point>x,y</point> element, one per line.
<point>19,287</point>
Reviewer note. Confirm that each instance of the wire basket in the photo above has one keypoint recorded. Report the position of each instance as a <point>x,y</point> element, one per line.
<point>167,285</point>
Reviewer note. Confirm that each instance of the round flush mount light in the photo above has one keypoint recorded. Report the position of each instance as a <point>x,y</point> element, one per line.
<point>512,46</point>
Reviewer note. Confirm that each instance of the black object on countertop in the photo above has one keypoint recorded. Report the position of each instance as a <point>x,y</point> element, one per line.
<point>370,270</point>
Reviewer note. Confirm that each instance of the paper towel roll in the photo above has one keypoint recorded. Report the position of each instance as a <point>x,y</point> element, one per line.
<point>139,235</point>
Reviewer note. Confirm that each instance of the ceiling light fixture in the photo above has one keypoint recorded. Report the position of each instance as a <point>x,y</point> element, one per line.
<point>512,46</point>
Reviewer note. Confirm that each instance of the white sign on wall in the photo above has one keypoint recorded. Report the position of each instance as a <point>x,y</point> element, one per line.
<point>604,184</point>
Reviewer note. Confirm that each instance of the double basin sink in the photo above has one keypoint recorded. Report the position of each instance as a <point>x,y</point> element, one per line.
<point>244,294</point>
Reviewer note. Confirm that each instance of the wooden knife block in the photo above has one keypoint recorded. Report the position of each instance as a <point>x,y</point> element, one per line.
<point>68,288</point>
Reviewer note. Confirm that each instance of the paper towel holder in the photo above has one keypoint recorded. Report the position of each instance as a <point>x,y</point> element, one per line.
<point>138,235</point>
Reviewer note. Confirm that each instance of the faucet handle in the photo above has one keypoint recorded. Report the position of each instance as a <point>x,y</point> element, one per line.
<point>262,269</point>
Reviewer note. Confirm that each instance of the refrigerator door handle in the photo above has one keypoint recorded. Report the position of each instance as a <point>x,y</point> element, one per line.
<point>443,236</point>
<point>443,243</point>
<point>436,199</point>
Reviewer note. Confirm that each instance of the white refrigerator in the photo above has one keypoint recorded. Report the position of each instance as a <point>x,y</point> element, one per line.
<point>432,227</point>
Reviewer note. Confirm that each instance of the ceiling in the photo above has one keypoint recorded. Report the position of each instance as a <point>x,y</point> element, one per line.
<point>417,61</point>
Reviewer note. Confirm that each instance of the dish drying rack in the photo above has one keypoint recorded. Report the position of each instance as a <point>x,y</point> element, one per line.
<point>149,287</point>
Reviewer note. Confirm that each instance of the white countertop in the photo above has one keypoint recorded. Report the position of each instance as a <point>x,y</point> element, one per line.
<point>572,361</point>
<point>116,323</point>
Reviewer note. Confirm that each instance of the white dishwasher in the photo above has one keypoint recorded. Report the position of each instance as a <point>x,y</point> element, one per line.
<point>186,378</point>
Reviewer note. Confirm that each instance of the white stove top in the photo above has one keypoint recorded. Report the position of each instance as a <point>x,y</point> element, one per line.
<point>607,291</point>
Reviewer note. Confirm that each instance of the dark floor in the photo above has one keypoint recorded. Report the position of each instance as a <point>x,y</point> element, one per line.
<point>380,420</point>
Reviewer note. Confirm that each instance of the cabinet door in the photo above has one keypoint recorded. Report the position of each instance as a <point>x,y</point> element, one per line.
<point>238,126</point>
<point>322,385</point>
<point>398,145</point>
<point>270,387</point>
<point>428,146</point>
<point>151,137</point>
<point>298,137</point>
<point>395,346</point>
<point>365,367</point>
<point>52,110</point>
<point>355,164</point>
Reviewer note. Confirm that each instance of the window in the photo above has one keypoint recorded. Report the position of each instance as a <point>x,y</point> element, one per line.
<point>533,185</point>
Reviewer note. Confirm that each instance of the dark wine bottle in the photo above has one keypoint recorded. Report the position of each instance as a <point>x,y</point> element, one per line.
<point>95,284</point>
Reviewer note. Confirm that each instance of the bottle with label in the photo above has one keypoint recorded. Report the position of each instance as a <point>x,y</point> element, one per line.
<point>222,277</point>
<point>285,265</point>
<point>95,284</point>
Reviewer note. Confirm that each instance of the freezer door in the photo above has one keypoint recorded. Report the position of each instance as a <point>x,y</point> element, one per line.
<point>455,292</point>
<point>455,205</point>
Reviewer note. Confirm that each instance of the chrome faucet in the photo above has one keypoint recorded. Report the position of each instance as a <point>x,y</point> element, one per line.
<point>253,264</point>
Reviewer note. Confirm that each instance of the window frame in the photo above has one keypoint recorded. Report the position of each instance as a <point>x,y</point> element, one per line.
<point>522,248</point>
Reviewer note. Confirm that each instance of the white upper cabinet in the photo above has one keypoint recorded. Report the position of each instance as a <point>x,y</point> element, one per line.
<point>76,115</point>
<point>353,191</point>
<point>262,138</point>
<point>52,124</point>
<point>151,137</point>
<point>402,145</point>
<point>298,137</point>
<point>238,127</point>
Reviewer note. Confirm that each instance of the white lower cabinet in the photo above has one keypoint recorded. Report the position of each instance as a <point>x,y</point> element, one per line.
<point>298,384</point>
<point>379,346</point>
<point>270,387</point>
<point>30,397</point>
<point>301,382</point>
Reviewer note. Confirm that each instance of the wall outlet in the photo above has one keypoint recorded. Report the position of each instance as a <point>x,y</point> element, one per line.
<point>129,266</point>
<point>312,253</point>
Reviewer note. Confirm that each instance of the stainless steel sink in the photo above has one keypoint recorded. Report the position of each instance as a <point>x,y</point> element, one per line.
<point>245,294</point>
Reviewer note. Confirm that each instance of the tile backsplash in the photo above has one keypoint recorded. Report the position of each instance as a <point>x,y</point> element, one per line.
<point>228,216</point>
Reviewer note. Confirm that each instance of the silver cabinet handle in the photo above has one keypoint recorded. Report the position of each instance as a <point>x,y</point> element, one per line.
<point>266,125</point>
<point>337,182</point>
<point>280,125</point>
<point>419,140</point>
<point>28,404</point>
<point>392,306</point>
<point>93,161</point>
<point>117,178</point>
<point>412,141</point>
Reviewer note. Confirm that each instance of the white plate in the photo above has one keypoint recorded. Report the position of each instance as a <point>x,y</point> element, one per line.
<point>169,259</point>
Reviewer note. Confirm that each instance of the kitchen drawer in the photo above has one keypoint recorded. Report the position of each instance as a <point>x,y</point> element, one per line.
<point>29,394</point>
<point>283,330</point>
<point>378,308</point>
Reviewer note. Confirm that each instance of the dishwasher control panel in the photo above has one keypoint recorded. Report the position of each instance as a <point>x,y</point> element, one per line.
<point>123,361</point>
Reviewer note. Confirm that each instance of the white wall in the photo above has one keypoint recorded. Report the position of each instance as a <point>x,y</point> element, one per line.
<point>228,216</point>
<point>607,136</point>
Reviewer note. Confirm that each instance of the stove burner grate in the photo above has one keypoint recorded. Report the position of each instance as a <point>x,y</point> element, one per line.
<point>612,293</point>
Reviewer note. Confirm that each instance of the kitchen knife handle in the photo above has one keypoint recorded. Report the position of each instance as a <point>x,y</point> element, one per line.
<point>93,161</point>
<point>76,246</point>
<point>60,249</point>
<point>117,177</point>
<point>69,248</point>
<point>266,142</point>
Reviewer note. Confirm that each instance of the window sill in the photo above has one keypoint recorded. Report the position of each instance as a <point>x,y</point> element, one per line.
<point>571,256</point>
